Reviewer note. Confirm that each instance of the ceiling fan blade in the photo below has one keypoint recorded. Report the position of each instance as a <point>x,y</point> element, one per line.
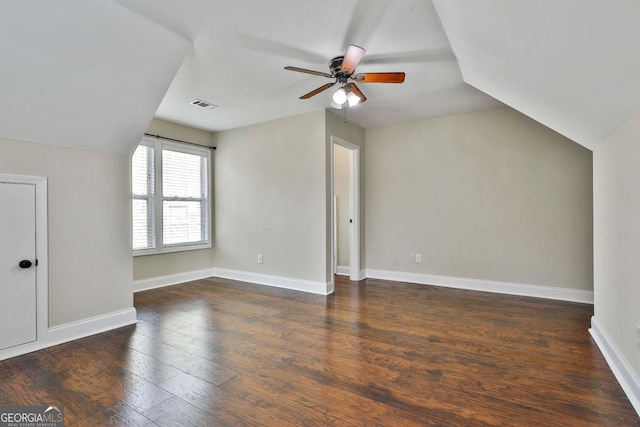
<point>304,70</point>
<point>380,77</point>
<point>317,91</point>
<point>352,58</point>
<point>357,91</point>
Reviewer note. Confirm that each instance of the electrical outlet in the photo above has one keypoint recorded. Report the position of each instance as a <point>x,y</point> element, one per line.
<point>412,257</point>
<point>260,259</point>
<point>418,258</point>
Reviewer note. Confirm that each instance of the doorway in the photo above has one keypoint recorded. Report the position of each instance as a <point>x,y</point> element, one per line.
<point>23,263</point>
<point>345,200</point>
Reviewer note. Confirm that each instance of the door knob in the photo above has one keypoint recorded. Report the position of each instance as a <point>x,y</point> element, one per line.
<point>25,263</point>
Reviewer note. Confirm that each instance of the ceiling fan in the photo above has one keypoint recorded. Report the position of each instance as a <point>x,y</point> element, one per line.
<point>342,69</point>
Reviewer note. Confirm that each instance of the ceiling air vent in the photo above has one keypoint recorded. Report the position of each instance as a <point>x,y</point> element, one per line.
<point>203,104</point>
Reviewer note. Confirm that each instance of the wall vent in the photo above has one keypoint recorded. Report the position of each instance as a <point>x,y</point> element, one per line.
<point>203,104</point>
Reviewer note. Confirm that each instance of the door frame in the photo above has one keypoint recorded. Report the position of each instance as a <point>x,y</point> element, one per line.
<point>42,268</point>
<point>354,235</point>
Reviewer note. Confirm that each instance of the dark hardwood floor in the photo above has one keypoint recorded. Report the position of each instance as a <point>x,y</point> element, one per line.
<point>217,352</point>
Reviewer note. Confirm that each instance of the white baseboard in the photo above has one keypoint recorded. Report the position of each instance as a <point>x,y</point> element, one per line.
<point>75,330</point>
<point>564,294</point>
<point>172,279</point>
<point>276,281</point>
<point>624,373</point>
<point>343,270</point>
<point>94,325</point>
<point>346,271</point>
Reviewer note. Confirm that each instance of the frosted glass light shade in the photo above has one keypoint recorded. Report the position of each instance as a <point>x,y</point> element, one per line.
<point>352,99</point>
<point>340,96</point>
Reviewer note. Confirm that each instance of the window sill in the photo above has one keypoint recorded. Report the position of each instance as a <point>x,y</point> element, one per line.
<point>171,249</point>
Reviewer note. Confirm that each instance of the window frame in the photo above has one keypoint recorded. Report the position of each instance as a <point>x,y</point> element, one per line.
<point>149,197</point>
<point>156,217</point>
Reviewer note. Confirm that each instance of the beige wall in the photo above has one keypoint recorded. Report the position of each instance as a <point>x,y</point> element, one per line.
<point>271,198</point>
<point>489,195</point>
<point>90,265</point>
<point>616,176</point>
<point>183,133</point>
<point>342,193</point>
<point>336,126</point>
<point>149,266</point>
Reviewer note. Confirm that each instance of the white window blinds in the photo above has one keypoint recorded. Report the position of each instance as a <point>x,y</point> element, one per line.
<point>184,197</point>
<point>142,206</point>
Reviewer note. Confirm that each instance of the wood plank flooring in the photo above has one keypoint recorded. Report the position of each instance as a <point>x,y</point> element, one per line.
<point>218,352</point>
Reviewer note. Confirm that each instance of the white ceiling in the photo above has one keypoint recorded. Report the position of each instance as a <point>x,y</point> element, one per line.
<point>92,73</point>
<point>82,73</point>
<point>240,49</point>
<point>573,65</point>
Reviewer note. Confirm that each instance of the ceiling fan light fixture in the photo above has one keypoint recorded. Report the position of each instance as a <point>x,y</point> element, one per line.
<point>334,105</point>
<point>352,99</point>
<point>340,96</point>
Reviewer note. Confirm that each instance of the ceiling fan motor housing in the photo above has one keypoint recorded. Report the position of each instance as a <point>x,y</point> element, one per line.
<point>335,64</point>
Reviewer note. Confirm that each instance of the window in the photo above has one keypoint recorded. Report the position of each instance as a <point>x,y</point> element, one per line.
<point>169,197</point>
<point>142,204</point>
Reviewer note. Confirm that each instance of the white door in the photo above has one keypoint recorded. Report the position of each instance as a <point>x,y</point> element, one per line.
<point>17,264</point>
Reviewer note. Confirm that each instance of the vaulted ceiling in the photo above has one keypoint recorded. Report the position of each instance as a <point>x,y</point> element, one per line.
<point>92,73</point>
<point>573,65</point>
<point>86,74</point>
<point>241,48</point>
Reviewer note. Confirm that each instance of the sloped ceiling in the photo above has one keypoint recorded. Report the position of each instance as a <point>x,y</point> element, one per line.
<point>91,74</point>
<point>241,48</point>
<point>82,73</point>
<point>573,65</point>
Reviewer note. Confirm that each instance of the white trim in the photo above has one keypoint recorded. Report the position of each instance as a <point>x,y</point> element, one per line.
<point>354,259</point>
<point>22,349</point>
<point>354,243</point>
<point>276,281</point>
<point>91,326</point>
<point>564,294</point>
<point>334,255</point>
<point>42,255</point>
<point>343,270</point>
<point>75,330</point>
<point>167,249</point>
<point>331,287</point>
<point>171,279</point>
<point>624,373</point>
